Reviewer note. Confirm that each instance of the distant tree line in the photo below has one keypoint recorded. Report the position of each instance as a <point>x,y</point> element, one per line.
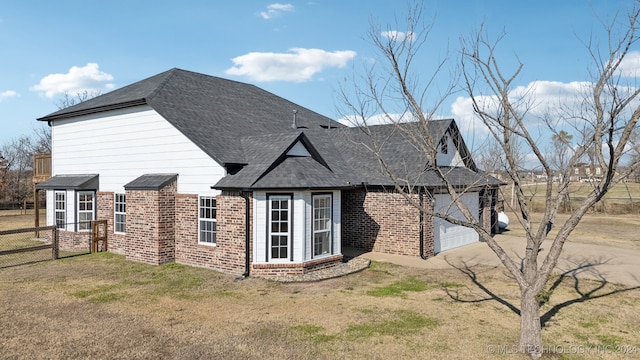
<point>16,166</point>
<point>16,156</point>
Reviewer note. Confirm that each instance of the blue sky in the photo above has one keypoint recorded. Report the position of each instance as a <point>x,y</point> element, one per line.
<point>300,50</point>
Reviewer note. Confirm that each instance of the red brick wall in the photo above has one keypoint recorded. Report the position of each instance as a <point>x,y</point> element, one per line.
<point>428,234</point>
<point>74,241</point>
<point>228,255</point>
<point>105,201</point>
<point>166,223</point>
<point>150,225</point>
<point>383,221</point>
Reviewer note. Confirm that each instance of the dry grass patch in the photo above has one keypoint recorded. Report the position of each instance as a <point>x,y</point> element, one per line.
<point>17,219</point>
<point>172,311</point>
<point>611,230</point>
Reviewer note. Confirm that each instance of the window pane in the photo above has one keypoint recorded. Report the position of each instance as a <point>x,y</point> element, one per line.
<point>279,226</point>
<point>321,224</point>
<point>207,220</point>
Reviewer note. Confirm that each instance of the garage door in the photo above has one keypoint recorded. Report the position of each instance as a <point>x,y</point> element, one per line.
<point>447,235</point>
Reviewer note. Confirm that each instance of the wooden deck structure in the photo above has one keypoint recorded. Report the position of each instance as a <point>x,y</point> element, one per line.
<point>41,172</point>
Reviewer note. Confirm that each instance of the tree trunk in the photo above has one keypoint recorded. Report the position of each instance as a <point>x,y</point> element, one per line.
<point>530,331</point>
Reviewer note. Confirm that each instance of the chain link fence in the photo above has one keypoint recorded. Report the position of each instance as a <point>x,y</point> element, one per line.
<point>31,245</point>
<point>26,246</point>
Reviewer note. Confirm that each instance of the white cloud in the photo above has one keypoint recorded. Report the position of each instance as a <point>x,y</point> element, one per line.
<point>78,79</point>
<point>298,65</point>
<point>274,10</point>
<point>394,35</point>
<point>550,99</point>
<point>630,65</point>
<point>8,94</point>
<point>378,119</point>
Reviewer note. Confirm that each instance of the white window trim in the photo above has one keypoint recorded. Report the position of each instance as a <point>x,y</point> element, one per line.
<point>62,211</point>
<point>92,211</point>
<point>116,212</point>
<point>207,219</point>
<point>288,234</point>
<point>329,230</point>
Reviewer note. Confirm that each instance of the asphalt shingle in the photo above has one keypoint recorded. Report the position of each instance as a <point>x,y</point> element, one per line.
<point>243,126</point>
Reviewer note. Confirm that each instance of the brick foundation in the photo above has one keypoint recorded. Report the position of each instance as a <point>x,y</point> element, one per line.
<point>275,270</point>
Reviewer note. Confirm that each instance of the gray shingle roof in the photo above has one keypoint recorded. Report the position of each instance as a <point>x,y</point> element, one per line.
<point>242,125</point>
<point>151,182</point>
<point>75,182</point>
<point>270,166</point>
<point>349,160</point>
<point>212,112</point>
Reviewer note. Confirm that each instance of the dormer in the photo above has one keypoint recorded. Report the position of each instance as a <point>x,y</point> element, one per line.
<point>448,153</point>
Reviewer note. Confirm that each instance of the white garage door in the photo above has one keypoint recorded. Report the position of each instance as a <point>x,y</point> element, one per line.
<point>448,235</point>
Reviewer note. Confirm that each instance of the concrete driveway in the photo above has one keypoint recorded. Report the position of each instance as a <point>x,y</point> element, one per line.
<point>595,262</point>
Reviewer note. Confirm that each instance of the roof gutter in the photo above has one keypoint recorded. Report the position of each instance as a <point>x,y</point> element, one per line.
<point>94,110</point>
<point>422,255</point>
<point>247,237</point>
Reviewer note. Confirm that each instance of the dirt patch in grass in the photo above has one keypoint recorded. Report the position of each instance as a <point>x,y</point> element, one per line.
<point>102,306</point>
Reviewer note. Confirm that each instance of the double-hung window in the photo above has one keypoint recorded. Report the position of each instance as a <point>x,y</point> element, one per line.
<point>321,224</point>
<point>61,209</point>
<point>279,226</point>
<point>207,220</point>
<point>85,210</point>
<point>120,213</point>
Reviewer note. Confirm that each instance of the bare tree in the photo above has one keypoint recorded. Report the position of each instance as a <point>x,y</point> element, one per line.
<point>67,100</point>
<point>18,155</point>
<point>606,122</point>
<point>561,142</point>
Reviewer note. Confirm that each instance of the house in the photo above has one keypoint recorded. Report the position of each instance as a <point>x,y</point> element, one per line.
<point>215,173</point>
<point>586,173</point>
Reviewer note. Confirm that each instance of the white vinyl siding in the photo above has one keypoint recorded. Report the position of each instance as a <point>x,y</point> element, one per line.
<point>146,144</point>
<point>120,213</point>
<point>452,155</point>
<point>298,150</point>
